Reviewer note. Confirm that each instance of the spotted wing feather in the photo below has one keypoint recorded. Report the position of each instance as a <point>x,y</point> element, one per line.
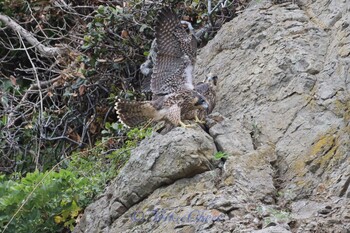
<point>133,113</point>
<point>176,55</point>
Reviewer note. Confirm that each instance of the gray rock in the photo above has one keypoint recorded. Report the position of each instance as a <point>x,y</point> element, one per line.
<point>272,229</point>
<point>157,161</point>
<point>231,137</point>
<point>284,71</point>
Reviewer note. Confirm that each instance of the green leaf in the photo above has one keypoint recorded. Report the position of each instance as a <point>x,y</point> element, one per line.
<point>5,101</point>
<point>117,126</point>
<point>220,155</point>
<point>143,27</point>
<point>100,9</point>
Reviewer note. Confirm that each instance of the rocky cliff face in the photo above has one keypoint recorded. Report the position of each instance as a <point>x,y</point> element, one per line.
<point>282,116</point>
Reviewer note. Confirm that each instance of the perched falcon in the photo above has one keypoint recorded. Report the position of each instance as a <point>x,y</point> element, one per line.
<point>169,108</point>
<point>171,80</point>
<point>207,88</point>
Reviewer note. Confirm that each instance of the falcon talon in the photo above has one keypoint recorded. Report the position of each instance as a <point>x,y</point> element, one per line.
<point>197,120</point>
<point>186,126</point>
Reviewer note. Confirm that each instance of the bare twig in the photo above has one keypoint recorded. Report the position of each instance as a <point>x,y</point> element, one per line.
<point>210,11</point>
<point>209,6</point>
<point>45,51</point>
<point>40,96</point>
<point>32,88</point>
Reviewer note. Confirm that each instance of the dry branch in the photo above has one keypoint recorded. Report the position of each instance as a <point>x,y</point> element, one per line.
<point>45,51</point>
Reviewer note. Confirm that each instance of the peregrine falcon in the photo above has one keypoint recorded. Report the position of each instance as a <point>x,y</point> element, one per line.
<point>171,83</point>
<point>207,88</point>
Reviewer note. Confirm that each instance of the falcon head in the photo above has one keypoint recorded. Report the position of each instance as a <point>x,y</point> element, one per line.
<point>198,101</point>
<point>210,78</point>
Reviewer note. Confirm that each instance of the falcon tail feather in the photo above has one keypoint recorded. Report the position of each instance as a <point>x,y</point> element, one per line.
<point>135,113</point>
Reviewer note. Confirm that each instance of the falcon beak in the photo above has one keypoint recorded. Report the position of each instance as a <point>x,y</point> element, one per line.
<point>205,105</point>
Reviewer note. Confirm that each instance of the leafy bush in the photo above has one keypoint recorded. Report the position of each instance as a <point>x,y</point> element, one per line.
<point>51,201</point>
<point>42,198</point>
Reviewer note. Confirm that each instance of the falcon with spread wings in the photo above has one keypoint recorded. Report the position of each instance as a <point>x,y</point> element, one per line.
<point>174,95</point>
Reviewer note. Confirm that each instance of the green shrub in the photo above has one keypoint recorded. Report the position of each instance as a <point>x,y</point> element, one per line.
<point>51,201</point>
<point>39,199</point>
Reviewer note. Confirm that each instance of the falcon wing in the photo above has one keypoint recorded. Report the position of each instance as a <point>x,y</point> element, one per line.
<point>175,59</point>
